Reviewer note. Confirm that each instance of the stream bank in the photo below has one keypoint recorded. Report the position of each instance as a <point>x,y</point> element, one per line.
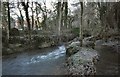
<point>106,57</point>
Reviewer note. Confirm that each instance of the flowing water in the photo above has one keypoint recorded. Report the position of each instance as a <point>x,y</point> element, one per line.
<point>50,62</point>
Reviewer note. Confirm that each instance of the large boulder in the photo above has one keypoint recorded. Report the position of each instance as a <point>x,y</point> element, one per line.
<point>83,62</point>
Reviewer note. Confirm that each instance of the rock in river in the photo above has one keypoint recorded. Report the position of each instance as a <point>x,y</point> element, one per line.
<point>72,48</point>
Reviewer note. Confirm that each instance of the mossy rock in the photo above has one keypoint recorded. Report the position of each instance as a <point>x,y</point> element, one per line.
<point>81,63</point>
<point>72,50</point>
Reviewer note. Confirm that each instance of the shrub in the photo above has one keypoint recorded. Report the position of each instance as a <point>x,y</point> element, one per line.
<point>75,31</point>
<point>14,32</point>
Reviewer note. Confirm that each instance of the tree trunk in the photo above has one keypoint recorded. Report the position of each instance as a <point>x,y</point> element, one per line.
<point>8,28</point>
<point>118,17</point>
<point>81,35</point>
<point>4,20</point>
<point>59,20</point>
<point>32,17</point>
<point>8,16</point>
<point>27,19</point>
<point>37,22</point>
<point>66,13</point>
<point>28,22</point>
<point>62,15</point>
<point>45,15</point>
<point>22,21</point>
<point>21,17</point>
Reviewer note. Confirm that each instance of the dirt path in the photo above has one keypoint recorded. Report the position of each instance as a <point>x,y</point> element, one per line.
<point>108,64</point>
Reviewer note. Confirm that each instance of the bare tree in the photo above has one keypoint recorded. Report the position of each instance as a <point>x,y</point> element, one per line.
<point>44,13</point>
<point>32,16</point>
<point>21,16</point>
<point>66,12</point>
<point>37,21</point>
<point>4,20</point>
<point>25,5</point>
<point>8,16</point>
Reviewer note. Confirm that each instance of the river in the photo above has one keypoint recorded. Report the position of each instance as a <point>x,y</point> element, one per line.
<point>48,61</point>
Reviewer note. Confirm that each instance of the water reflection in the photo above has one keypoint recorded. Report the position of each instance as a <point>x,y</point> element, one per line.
<point>51,55</point>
